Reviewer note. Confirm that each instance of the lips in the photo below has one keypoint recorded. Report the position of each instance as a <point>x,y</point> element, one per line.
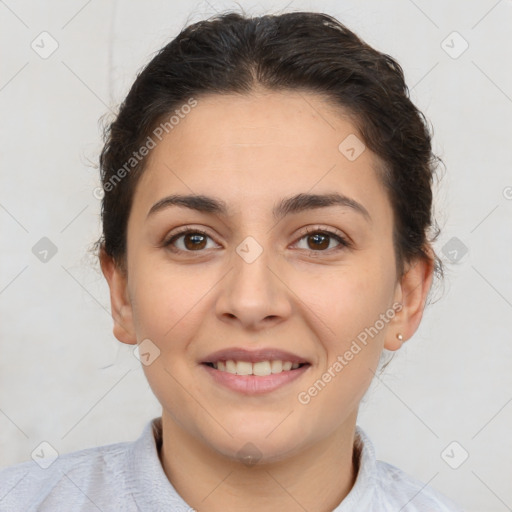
<point>254,371</point>
<point>254,356</point>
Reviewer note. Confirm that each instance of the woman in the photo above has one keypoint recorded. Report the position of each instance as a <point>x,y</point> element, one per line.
<point>267,219</point>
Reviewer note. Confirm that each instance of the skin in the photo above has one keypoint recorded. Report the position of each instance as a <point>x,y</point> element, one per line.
<point>251,151</point>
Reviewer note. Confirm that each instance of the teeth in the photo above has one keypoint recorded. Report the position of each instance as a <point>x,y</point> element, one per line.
<point>261,368</point>
<point>243,368</point>
<point>230,366</point>
<point>276,366</point>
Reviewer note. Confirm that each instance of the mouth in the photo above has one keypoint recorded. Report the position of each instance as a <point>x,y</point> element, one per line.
<point>260,368</point>
<point>254,372</point>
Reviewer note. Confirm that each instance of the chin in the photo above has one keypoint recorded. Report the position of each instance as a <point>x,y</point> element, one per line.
<point>257,451</point>
<point>257,441</point>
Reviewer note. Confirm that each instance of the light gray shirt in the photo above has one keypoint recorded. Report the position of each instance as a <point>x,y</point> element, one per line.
<point>129,477</point>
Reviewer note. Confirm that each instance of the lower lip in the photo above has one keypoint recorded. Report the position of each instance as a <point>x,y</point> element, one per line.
<point>254,384</point>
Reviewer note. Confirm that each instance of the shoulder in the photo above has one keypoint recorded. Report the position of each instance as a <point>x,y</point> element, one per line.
<point>70,482</point>
<point>382,487</point>
<point>400,488</point>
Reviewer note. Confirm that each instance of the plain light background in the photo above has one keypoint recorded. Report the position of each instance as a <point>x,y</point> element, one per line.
<point>66,380</point>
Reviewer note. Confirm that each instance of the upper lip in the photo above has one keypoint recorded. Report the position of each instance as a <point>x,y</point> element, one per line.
<point>253,356</point>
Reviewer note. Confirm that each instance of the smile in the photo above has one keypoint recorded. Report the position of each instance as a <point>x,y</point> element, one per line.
<point>261,368</point>
<point>253,372</point>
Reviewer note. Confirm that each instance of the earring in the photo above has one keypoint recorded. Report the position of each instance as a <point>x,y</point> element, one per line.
<point>400,337</point>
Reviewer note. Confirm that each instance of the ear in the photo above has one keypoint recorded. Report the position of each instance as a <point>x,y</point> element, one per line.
<point>119,299</point>
<point>411,292</point>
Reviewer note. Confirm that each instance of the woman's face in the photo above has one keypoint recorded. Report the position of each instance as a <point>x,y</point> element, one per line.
<point>269,282</point>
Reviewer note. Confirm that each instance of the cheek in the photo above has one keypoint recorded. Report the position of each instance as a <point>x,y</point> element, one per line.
<point>349,307</point>
<point>347,300</point>
<point>166,298</point>
<point>168,312</point>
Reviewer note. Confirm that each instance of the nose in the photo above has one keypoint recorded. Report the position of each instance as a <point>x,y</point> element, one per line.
<point>253,294</point>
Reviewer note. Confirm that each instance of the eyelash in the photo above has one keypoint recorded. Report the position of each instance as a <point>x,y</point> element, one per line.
<point>343,242</point>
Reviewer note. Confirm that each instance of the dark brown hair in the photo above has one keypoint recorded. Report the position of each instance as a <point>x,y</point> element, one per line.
<point>234,54</point>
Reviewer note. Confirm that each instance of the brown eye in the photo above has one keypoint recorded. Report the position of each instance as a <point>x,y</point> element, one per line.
<point>193,241</point>
<point>319,241</point>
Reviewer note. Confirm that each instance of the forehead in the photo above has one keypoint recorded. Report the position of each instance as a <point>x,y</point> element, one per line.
<point>251,149</point>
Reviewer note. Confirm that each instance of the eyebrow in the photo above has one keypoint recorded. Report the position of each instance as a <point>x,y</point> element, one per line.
<point>292,205</point>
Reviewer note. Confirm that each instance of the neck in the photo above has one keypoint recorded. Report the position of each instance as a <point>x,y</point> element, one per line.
<point>318,478</point>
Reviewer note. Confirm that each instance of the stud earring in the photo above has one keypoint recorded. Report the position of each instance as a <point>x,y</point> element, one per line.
<point>400,337</point>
